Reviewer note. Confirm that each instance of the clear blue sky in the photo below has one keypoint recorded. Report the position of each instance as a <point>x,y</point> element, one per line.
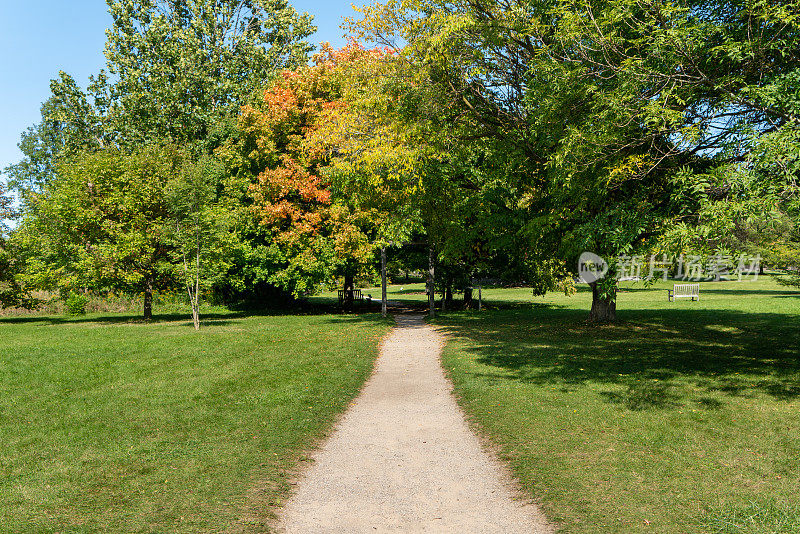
<point>40,37</point>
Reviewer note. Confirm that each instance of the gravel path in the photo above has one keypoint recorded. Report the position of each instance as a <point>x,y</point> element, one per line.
<point>403,459</point>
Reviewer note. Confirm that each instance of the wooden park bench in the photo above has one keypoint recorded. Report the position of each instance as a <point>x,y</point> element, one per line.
<point>353,295</point>
<point>684,291</point>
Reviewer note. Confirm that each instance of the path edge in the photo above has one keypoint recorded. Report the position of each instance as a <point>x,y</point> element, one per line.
<point>270,512</point>
<point>489,447</point>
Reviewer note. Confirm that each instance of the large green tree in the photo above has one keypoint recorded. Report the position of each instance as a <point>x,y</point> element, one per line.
<point>175,70</point>
<point>177,66</point>
<point>105,223</point>
<point>605,104</point>
<point>402,146</point>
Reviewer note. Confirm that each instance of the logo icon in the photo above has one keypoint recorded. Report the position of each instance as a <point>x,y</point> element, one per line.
<point>591,267</point>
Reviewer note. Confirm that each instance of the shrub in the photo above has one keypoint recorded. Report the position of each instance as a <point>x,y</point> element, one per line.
<point>76,303</point>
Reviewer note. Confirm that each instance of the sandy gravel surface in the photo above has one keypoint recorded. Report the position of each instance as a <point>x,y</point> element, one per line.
<point>403,458</point>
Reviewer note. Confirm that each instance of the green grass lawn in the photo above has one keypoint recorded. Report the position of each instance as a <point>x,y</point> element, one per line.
<point>683,417</point>
<point>108,424</point>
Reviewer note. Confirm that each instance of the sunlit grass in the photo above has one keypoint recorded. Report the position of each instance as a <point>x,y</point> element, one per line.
<point>683,417</point>
<point>108,424</point>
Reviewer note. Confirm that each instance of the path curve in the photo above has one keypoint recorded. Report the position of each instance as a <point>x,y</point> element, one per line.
<point>403,458</point>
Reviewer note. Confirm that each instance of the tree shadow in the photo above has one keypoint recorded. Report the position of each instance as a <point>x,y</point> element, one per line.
<point>215,318</point>
<point>643,358</point>
<point>781,293</point>
<point>122,318</point>
<point>643,395</point>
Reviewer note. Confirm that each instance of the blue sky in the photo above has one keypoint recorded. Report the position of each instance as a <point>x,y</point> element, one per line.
<point>40,37</point>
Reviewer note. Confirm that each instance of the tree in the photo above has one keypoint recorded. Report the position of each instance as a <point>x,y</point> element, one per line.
<point>401,146</point>
<point>201,221</point>
<point>176,67</point>
<point>514,105</point>
<point>11,292</point>
<point>104,223</point>
<point>153,218</point>
<point>604,102</point>
<point>70,124</point>
<point>311,233</point>
<point>775,162</point>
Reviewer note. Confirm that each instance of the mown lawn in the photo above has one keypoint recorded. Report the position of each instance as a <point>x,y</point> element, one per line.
<point>684,417</point>
<point>108,424</point>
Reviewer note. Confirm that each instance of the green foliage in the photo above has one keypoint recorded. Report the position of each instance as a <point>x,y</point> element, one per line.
<point>400,149</point>
<point>600,105</point>
<point>69,125</point>
<point>12,293</point>
<point>175,68</point>
<point>201,238</point>
<point>129,221</point>
<point>76,303</point>
<point>102,223</point>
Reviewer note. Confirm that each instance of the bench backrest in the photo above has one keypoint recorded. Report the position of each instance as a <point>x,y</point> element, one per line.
<point>686,289</point>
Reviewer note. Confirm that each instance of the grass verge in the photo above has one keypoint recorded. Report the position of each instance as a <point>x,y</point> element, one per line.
<point>683,417</point>
<point>109,424</point>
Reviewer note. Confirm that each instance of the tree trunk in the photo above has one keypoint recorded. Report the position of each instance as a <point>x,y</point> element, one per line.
<point>383,281</point>
<point>193,286</point>
<point>148,298</point>
<point>196,316</point>
<point>604,309</point>
<point>431,288</point>
<point>467,297</point>
<point>448,295</point>
<point>349,287</point>
<point>196,299</point>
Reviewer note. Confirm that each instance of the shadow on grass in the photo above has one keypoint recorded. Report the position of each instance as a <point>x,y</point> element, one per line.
<point>768,292</point>
<point>709,289</point>
<point>645,358</point>
<point>122,318</point>
<point>408,292</point>
<point>645,395</point>
<point>363,312</point>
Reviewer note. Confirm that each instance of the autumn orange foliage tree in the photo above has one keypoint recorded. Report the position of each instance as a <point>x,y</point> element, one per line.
<point>311,232</point>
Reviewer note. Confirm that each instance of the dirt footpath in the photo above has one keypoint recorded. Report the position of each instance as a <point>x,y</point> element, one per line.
<point>403,459</point>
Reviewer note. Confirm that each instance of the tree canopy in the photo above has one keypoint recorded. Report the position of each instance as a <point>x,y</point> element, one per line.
<point>507,136</point>
<point>177,67</point>
<point>615,108</point>
<point>175,70</point>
